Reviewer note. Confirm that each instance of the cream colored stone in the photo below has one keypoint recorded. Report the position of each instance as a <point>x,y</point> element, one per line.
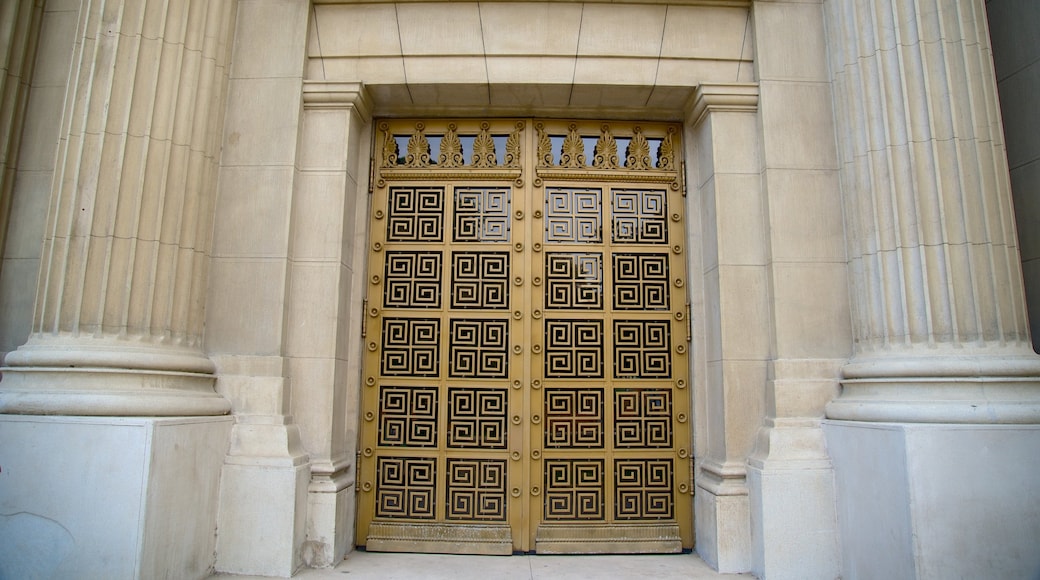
<point>29,204</point>
<point>325,144</point>
<point>630,98</point>
<point>530,70</point>
<point>724,537</point>
<point>376,70</point>
<point>745,311</point>
<point>445,69</point>
<point>789,41</point>
<point>244,306</point>
<point>440,29</point>
<point>314,402</point>
<point>703,32</point>
<point>253,206</point>
<point>57,33</point>
<point>621,30</point>
<point>591,70</point>
<point>39,147</point>
<point>17,291</point>
<point>273,35</point>
<point>357,30</point>
<point>804,216</point>
<point>793,129</point>
<point>528,29</point>
<point>261,123</point>
<point>318,203</point>
<point>811,310</point>
<point>312,324</point>
<point>734,143</point>
<point>744,397</point>
<point>741,221</point>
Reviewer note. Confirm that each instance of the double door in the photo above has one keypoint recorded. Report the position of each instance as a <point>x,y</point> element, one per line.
<point>526,335</point>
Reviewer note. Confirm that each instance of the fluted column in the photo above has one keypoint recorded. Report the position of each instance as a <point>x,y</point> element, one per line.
<point>119,313</point>
<point>939,315</point>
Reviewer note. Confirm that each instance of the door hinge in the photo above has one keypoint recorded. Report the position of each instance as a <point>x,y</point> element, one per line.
<point>689,323</point>
<point>364,318</point>
<point>682,177</point>
<point>371,174</point>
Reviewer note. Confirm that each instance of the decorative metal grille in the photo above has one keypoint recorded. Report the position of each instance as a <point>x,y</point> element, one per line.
<point>574,281</point>
<point>482,214</point>
<point>406,488</point>
<point>413,280</point>
<point>480,280</point>
<point>643,489</point>
<point>408,416</point>
<point>415,214</point>
<point>642,349</point>
<point>639,216</point>
<point>476,490</point>
<point>477,418</point>
<point>544,264</point>
<point>642,418</point>
<point>574,348</point>
<point>411,347</point>
<point>479,349</point>
<point>573,418</point>
<point>641,282</point>
<point>573,215</point>
<point>573,489</point>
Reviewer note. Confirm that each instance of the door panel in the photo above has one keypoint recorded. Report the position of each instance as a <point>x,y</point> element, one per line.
<point>526,341</point>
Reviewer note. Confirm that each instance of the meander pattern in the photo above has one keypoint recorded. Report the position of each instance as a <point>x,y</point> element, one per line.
<point>526,367</point>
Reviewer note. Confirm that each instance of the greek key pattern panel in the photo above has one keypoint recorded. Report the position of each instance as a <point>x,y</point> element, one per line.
<point>574,281</point>
<point>643,418</point>
<point>476,489</point>
<point>573,215</point>
<point>408,416</point>
<point>643,489</point>
<point>573,418</point>
<point>573,489</point>
<point>411,347</point>
<point>639,216</point>
<point>641,282</point>
<point>415,214</point>
<point>413,280</point>
<point>477,418</point>
<point>642,349</point>
<point>574,349</point>
<point>480,280</point>
<point>479,349</point>
<point>481,214</point>
<point>405,488</point>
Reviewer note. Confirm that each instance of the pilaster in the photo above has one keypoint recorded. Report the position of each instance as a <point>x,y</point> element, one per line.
<point>251,321</point>
<point>728,295</point>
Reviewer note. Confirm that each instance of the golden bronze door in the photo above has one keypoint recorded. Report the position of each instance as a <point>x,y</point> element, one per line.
<point>526,337</point>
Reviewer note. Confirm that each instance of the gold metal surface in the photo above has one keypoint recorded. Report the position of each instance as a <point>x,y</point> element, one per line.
<point>526,339</point>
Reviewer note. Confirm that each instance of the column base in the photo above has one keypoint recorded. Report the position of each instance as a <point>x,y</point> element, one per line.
<point>975,387</point>
<point>109,497</point>
<point>794,529</point>
<point>936,501</point>
<point>330,521</point>
<point>721,517</point>
<point>108,377</point>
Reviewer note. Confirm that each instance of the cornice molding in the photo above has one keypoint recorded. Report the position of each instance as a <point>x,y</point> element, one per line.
<point>715,97</point>
<point>325,94</point>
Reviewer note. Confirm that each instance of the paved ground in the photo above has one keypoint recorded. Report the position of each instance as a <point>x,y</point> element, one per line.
<point>379,566</point>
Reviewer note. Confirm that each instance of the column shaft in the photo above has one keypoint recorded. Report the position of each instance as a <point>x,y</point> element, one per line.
<point>120,299</point>
<point>938,303</point>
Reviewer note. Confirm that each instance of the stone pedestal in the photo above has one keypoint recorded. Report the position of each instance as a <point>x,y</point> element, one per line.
<point>107,497</point>
<point>937,501</point>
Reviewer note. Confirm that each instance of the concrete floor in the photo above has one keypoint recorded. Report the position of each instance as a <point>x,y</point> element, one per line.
<point>382,566</point>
